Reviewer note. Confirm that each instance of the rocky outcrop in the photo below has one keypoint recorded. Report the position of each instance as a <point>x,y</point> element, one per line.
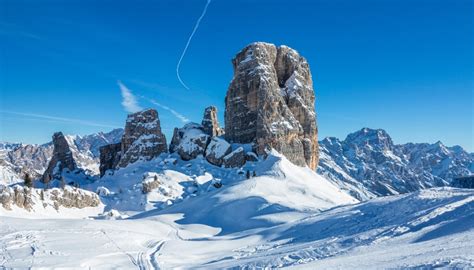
<point>150,184</point>
<point>175,140</point>
<point>235,159</point>
<point>189,141</point>
<point>18,195</point>
<point>29,198</point>
<point>464,182</point>
<point>216,151</point>
<point>270,102</point>
<point>209,123</point>
<point>142,138</point>
<point>73,198</point>
<point>109,157</point>
<point>62,158</point>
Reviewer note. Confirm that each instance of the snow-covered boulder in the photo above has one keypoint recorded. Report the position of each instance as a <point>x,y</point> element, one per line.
<point>102,191</point>
<point>235,159</point>
<point>150,183</point>
<point>251,156</point>
<point>189,141</point>
<point>216,151</point>
<point>112,215</point>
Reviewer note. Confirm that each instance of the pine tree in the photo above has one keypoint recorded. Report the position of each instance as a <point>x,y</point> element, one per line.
<point>47,180</point>
<point>28,181</point>
<point>42,195</point>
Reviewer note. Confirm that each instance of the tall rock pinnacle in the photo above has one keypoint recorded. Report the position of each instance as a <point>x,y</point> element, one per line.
<point>270,102</point>
<point>62,158</point>
<point>209,122</point>
<point>143,138</point>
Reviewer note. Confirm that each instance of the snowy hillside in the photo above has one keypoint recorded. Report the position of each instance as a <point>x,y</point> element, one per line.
<point>368,164</point>
<point>168,180</point>
<point>169,213</point>
<point>268,213</point>
<point>430,228</point>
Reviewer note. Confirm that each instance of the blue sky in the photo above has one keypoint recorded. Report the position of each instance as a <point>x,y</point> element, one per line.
<point>404,66</point>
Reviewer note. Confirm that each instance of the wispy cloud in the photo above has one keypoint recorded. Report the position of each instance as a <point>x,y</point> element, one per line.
<point>129,101</point>
<point>58,119</point>
<point>178,115</point>
<point>10,29</point>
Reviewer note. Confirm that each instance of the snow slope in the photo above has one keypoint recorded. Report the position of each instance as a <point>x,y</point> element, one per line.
<point>429,228</point>
<point>278,181</point>
<point>169,213</point>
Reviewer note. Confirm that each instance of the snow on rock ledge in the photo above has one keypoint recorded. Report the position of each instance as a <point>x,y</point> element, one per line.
<point>189,141</point>
<point>37,200</point>
<point>143,138</point>
<point>216,151</point>
<point>235,159</point>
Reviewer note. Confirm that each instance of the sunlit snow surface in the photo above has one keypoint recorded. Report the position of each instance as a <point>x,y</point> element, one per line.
<point>287,216</point>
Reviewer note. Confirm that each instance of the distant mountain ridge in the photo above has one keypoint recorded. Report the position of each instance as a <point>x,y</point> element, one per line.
<point>16,159</point>
<point>368,164</point>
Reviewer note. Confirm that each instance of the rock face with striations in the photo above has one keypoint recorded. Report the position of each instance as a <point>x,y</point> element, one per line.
<point>142,138</point>
<point>209,122</point>
<point>62,158</point>
<point>109,157</point>
<point>270,102</point>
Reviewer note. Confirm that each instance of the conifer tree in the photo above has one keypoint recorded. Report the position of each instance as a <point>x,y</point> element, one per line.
<point>28,181</point>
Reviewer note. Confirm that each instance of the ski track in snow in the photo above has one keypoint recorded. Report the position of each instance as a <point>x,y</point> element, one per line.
<point>130,257</point>
<point>146,259</point>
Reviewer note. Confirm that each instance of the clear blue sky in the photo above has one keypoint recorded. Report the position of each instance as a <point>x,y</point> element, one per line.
<point>405,66</point>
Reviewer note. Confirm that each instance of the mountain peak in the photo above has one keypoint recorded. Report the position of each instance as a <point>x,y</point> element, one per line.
<point>368,136</point>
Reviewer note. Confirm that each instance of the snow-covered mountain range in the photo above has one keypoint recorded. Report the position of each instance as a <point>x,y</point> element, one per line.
<point>368,164</point>
<point>286,216</point>
<point>16,159</point>
<point>243,197</point>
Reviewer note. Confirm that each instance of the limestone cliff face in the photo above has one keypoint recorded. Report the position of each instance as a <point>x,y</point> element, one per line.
<point>62,158</point>
<point>142,138</point>
<point>209,122</point>
<point>109,157</point>
<point>270,102</point>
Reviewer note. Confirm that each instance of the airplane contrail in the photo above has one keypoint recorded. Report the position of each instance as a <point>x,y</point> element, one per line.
<point>189,41</point>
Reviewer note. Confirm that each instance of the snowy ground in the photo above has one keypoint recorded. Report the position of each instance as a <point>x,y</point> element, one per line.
<point>287,216</point>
